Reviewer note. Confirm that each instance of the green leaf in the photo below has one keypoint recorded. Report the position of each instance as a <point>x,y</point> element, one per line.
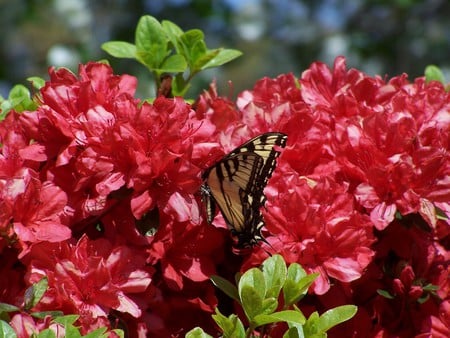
<point>120,49</point>
<point>151,42</point>
<point>440,214</point>
<point>118,332</point>
<point>72,332</point>
<point>269,305</point>
<point>252,289</point>
<point>6,331</point>
<point>430,288</point>
<point>179,85</point>
<point>191,42</point>
<point>289,316</point>
<point>47,333</point>
<point>66,320</point>
<point>297,283</point>
<point>229,289</point>
<point>336,316</point>
<point>231,326</point>
<point>4,307</point>
<point>385,294</point>
<point>35,292</point>
<point>36,81</point>
<point>201,59</point>
<point>19,99</point>
<point>251,301</point>
<point>274,271</point>
<point>173,33</point>
<point>43,314</point>
<point>293,332</point>
<point>224,56</point>
<point>312,323</point>
<point>433,73</point>
<point>100,332</point>
<point>253,278</point>
<point>174,64</point>
<point>197,333</point>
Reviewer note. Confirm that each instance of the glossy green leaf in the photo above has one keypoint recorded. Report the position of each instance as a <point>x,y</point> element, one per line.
<point>192,37</point>
<point>433,73</point>
<point>36,81</point>
<point>100,332</point>
<point>174,64</point>
<point>197,333</point>
<point>179,85</point>
<point>269,305</point>
<point>336,316</point>
<point>385,294</point>
<point>231,326</point>
<point>19,99</point>
<point>35,292</point>
<point>222,57</point>
<point>253,278</point>
<point>151,42</point>
<point>4,307</point>
<point>172,30</point>
<point>72,331</point>
<point>228,288</point>
<point>43,314</point>
<point>66,320</point>
<point>293,332</point>
<point>251,301</point>
<point>6,331</point>
<point>118,332</point>
<point>297,283</point>
<point>190,44</point>
<point>312,324</point>
<point>47,333</point>
<point>274,271</point>
<point>289,316</point>
<point>120,49</point>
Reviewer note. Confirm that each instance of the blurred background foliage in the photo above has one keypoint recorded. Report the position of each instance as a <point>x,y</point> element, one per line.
<point>385,37</point>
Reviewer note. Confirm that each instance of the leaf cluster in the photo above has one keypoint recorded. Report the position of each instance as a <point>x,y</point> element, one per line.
<point>258,291</point>
<point>20,98</point>
<point>164,48</point>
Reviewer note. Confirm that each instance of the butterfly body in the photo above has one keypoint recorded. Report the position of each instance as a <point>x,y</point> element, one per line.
<point>236,185</point>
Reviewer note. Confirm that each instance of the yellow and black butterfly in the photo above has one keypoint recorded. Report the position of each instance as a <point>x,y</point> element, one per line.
<point>236,185</point>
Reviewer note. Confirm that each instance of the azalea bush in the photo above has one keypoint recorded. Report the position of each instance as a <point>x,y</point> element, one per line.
<point>100,202</point>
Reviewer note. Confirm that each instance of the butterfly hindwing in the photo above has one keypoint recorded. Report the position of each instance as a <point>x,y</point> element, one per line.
<point>229,182</point>
<point>236,184</point>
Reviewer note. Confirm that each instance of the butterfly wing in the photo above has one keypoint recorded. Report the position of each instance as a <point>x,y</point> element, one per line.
<point>236,184</point>
<point>228,184</point>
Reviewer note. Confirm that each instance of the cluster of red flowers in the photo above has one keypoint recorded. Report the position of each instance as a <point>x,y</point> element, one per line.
<point>99,193</point>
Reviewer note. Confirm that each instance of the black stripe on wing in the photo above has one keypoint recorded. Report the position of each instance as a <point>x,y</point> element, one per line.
<point>236,184</point>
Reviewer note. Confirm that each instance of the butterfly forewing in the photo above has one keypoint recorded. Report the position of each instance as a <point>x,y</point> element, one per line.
<point>263,145</point>
<point>236,185</point>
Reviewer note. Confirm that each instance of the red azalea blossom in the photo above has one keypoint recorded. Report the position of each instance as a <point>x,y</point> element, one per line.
<point>320,230</point>
<point>32,210</point>
<point>100,194</point>
<point>186,251</point>
<point>90,278</point>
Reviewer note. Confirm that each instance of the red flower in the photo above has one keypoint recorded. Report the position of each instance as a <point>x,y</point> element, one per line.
<point>406,286</point>
<point>90,278</point>
<point>318,228</point>
<point>186,251</point>
<point>32,211</point>
<point>365,159</point>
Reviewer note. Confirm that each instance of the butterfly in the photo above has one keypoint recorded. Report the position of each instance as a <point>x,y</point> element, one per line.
<point>236,185</point>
